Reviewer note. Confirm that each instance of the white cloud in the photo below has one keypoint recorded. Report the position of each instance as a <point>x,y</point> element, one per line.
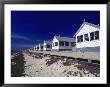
<point>22,45</point>
<point>16,36</point>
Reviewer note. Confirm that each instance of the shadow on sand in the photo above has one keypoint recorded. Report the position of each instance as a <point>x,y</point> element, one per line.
<point>17,65</point>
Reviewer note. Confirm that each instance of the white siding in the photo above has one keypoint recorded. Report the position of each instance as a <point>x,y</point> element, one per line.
<point>60,47</point>
<point>40,47</point>
<point>86,29</point>
<point>45,47</point>
<point>36,47</point>
<point>55,47</point>
<point>88,44</point>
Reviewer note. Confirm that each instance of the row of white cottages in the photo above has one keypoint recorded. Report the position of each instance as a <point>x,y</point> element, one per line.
<point>85,39</point>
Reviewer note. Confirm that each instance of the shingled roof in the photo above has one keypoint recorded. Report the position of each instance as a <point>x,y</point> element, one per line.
<point>48,42</point>
<point>65,39</point>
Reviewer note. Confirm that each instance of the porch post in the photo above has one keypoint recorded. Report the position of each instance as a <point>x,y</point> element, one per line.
<point>58,43</point>
<point>89,36</point>
<point>83,38</point>
<point>64,43</point>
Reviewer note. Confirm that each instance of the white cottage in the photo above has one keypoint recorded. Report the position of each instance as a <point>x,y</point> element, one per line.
<point>41,46</point>
<point>47,45</point>
<point>87,36</point>
<point>63,43</point>
<point>36,47</point>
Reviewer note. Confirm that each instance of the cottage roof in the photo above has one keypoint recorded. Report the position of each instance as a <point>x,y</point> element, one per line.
<point>65,38</point>
<point>48,42</point>
<point>37,45</point>
<point>40,44</point>
<point>86,23</point>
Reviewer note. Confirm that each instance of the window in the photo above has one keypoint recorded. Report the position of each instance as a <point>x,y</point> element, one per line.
<point>86,37</point>
<point>48,46</point>
<point>41,47</point>
<point>37,47</point>
<point>92,36</point>
<point>96,35</point>
<point>80,38</point>
<point>66,43</point>
<point>73,44</point>
<point>56,43</point>
<point>61,43</point>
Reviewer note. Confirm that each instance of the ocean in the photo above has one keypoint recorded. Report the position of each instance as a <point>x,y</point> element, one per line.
<point>15,51</point>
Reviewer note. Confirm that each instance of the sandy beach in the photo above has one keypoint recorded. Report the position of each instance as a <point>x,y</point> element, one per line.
<point>32,64</point>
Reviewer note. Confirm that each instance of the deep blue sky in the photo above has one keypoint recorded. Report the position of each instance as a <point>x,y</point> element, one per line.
<point>32,27</point>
